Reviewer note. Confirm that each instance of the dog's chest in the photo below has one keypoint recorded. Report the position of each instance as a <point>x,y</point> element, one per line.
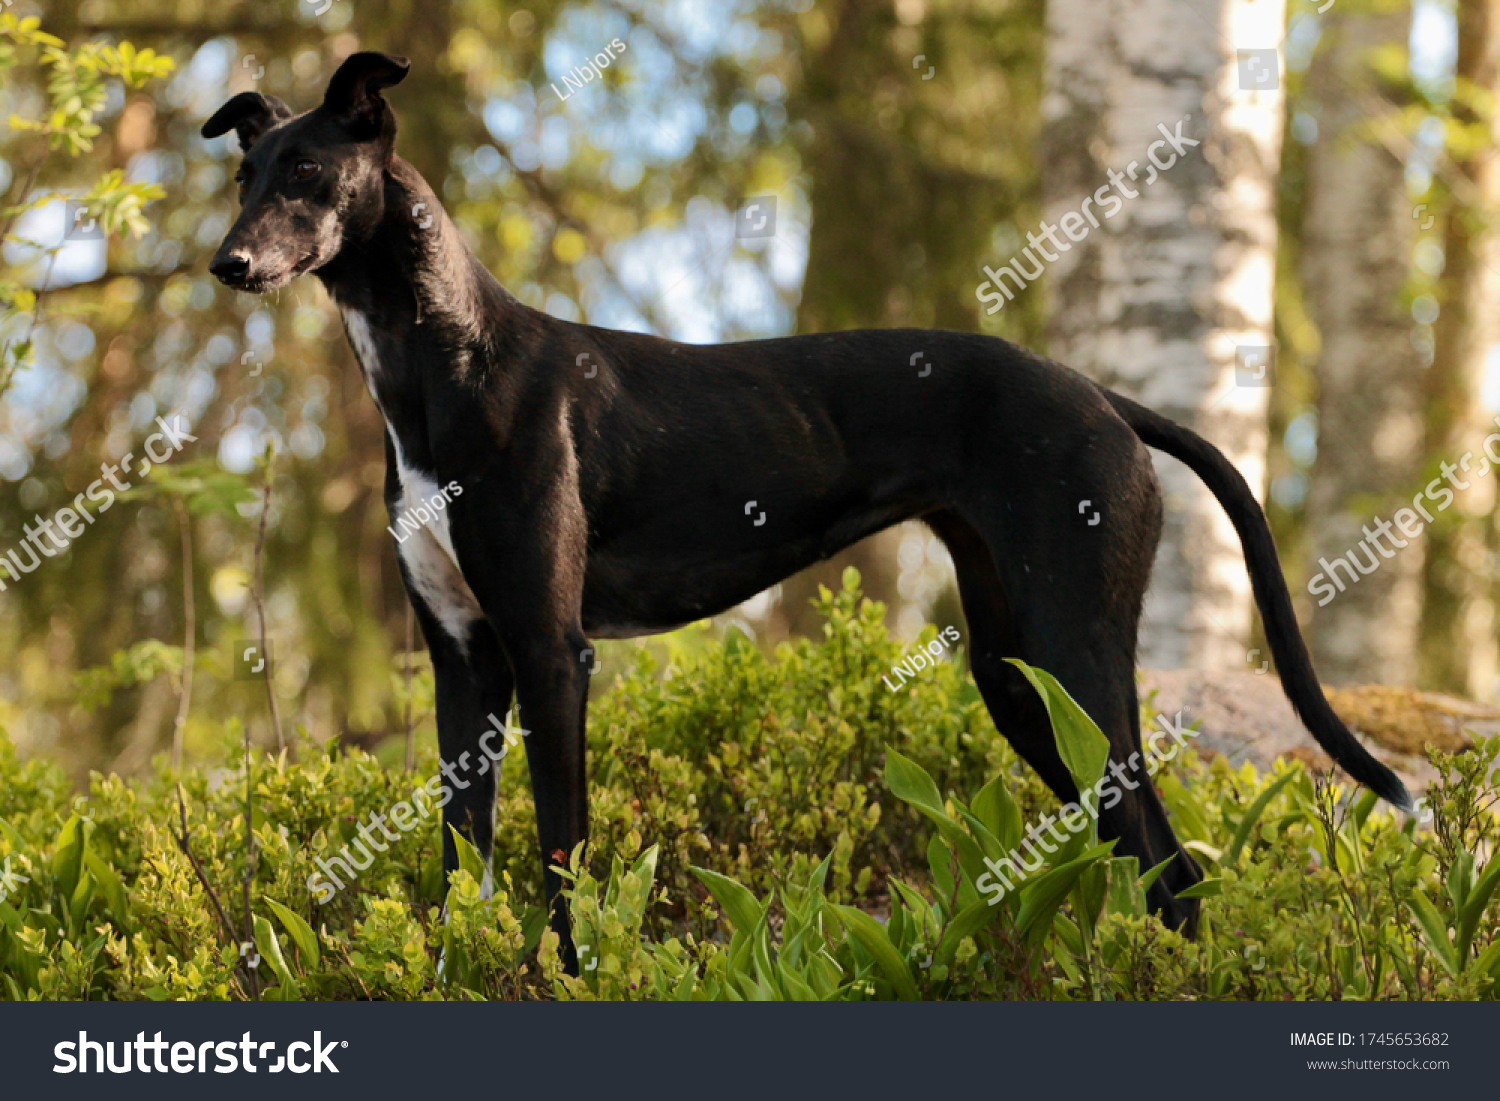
<point>420,522</point>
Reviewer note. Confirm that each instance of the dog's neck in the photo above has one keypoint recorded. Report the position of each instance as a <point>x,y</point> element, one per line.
<point>411,277</point>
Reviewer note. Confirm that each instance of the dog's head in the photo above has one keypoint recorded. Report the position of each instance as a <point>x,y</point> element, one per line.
<point>309,183</point>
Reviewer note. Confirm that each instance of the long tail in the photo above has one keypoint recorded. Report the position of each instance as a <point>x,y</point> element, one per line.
<point>1292,660</point>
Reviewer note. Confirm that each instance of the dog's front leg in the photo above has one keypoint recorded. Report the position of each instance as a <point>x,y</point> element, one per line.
<point>473,686</point>
<point>526,567</point>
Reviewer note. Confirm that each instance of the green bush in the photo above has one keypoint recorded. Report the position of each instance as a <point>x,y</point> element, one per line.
<point>763,829</point>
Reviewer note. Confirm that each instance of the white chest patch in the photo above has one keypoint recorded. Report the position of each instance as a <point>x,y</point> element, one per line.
<point>363,342</point>
<point>423,537</point>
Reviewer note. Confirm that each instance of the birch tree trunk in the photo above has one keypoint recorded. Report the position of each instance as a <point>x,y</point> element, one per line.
<point>1458,629</point>
<point>1162,299</point>
<point>1357,239</point>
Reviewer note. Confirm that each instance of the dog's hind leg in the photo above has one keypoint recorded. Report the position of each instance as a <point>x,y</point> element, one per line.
<point>1085,639</point>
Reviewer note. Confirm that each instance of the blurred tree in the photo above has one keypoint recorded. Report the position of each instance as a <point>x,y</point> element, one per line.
<point>918,124</point>
<point>1173,294</point>
<point>1357,238</point>
<point>1458,621</point>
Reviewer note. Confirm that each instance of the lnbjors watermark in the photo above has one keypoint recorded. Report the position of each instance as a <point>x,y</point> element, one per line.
<point>413,519</point>
<point>1073,223</point>
<point>73,1057</point>
<point>68,519</point>
<point>1327,583</point>
<point>915,662</point>
<point>1074,818</point>
<point>590,70</point>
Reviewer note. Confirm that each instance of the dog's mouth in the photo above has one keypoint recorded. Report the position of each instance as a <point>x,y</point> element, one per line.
<point>262,284</point>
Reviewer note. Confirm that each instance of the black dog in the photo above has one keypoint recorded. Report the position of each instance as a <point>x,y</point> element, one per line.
<point>608,484</point>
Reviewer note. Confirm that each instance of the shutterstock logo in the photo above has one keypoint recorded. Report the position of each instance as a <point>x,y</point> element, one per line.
<point>146,1056</point>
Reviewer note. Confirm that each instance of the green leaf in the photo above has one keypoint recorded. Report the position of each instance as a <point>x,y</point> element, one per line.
<point>865,929</point>
<point>270,952</point>
<point>1212,887</point>
<point>67,856</point>
<point>1150,877</point>
<point>1460,879</point>
<point>114,890</point>
<point>940,863</point>
<point>533,925</point>
<point>1080,742</point>
<point>966,923</point>
<point>1126,895</point>
<point>1436,931</point>
<point>995,807</point>
<point>910,783</point>
<point>1042,896</point>
<point>738,904</point>
<point>1474,905</point>
<point>1088,895</point>
<point>469,859</point>
<point>1488,962</point>
<point>1252,815</point>
<point>301,933</point>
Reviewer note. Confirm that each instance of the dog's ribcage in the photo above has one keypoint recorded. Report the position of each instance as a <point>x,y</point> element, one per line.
<point>427,552</point>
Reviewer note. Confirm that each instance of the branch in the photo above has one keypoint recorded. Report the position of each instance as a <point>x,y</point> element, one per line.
<point>182,843</point>
<point>191,629</point>
<point>260,614</point>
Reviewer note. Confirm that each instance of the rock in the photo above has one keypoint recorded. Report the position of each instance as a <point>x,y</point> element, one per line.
<point>1246,717</point>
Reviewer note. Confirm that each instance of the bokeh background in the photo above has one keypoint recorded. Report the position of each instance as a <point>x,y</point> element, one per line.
<point>1338,212</point>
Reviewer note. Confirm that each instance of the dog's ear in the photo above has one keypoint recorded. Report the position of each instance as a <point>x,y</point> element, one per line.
<point>354,92</point>
<point>249,115</point>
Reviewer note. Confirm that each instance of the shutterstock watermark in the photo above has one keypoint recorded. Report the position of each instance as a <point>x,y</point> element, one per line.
<point>70,520</point>
<point>185,1057</point>
<point>407,815</point>
<point>1073,818</point>
<point>1327,583</point>
<point>1078,224</point>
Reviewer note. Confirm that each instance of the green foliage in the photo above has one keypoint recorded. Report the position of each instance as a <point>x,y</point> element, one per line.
<point>77,90</point>
<point>764,830</point>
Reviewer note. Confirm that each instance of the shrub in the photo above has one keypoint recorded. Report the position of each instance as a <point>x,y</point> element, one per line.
<point>764,828</point>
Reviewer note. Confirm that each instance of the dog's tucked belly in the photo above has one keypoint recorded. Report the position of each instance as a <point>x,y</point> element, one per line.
<point>669,582</point>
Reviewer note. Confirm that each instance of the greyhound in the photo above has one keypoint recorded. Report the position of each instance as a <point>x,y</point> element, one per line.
<point>603,484</point>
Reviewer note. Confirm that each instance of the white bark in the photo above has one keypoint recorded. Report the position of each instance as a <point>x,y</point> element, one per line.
<point>1459,634</point>
<point>1156,302</point>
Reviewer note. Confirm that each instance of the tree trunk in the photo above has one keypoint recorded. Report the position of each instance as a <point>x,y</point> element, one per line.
<point>1458,623</point>
<point>1161,300</point>
<point>1357,235</point>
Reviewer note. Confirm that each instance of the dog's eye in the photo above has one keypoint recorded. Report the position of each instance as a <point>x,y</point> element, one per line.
<point>305,170</point>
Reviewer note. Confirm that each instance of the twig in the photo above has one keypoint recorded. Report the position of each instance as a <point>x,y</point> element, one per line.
<point>260,613</point>
<point>249,937</point>
<point>182,843</point>
<point>190,644</point>
<point>26,187</point>
<point>411,760</point>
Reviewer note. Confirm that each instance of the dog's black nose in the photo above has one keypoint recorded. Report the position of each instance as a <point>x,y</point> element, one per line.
<point>230,270</point>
